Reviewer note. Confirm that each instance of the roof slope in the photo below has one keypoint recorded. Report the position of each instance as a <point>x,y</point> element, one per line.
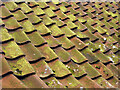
<point>60,44</point>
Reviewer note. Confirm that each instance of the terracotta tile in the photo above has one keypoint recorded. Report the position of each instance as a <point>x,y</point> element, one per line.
<point>52,42</point>
<point>4,35</point>
<point>20,36</point>
<point>11,23</point>
<point>91,71</point>
<point>47,52</point>
<point>33,81</point>
<point>63,55</point>
<point>75,69</point>
<point>114,81</point>
<point>21,67</point>
<point>10,81</point>
<point>102,57</point>
<point>114,69</point>
<point>104,83</point>
<point>5,68</point>
<point>5,12</point>
<point>12,50</point>
<point>47,21</point>
<point>89,83</point>
<point>31,52</point>
<point>36,38</point>
<point>48,25</point>
<point>66,43</point>
<point>33,18</point>
<point>55,30</point>
<point>52,82</point>
<point>25,8</point>
<point>78,43</point>
<point>57,70</point>
<point>70,82</point>
<point>42,29</point>
<point>27,26</point>
<point>11,5</point>
<point>77,56</point>
<point>89,55</point>
<point>103,70</point>
<point>42,69</point>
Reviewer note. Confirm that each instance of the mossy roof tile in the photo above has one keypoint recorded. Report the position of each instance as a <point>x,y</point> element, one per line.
<point>53,83</point>
<point>55,30</point>
<point>91,71</point>
<point>4,35</point>
<point>42,4</point>
<point>105,72</point>
<point>57,70</point>
<point>47,52</point>
<point>42,69</point>
<point>21,67</point>
<point>19,15</point>
<point>79,34</point>
<point>114,70</point>
<point>20,36</point>
<point>11,23</point>
<point>89,34</point>
<point>75,69</point>
<point>89,55</point>
<point>33,18</point>
<point>113,57</point>
<point>42,28</point>
<point>52,42</point>
<point>27,26</point>
<point>11,5</point>
<point>25,8</point>
<point>49,12</point>
<point>104,83</point>
<point>114,81</point>
<point>102,57</point>
<point>91,46</point>
<point>66,43</point>
<point>36,38</point>
<point>49,25</point>
<point>12,50</point>
<point>1,22</point>
<point>67,31</point>
<point>63,55</point>
<point>52,6</point>
<point>77,56</point>
<point>5,12</point>
<point>47,20</point>
<point>78,43</point>
<point>4,66</point>
<point>38,11</point>
<point>31,52</point>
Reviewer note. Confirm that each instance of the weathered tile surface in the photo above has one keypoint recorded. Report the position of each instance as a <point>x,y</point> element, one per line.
<point>59,44</point>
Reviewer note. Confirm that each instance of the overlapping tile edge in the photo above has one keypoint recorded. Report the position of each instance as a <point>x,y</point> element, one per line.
<point>42,39</point>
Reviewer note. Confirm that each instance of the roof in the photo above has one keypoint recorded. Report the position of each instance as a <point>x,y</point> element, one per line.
<point>59,44</point>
